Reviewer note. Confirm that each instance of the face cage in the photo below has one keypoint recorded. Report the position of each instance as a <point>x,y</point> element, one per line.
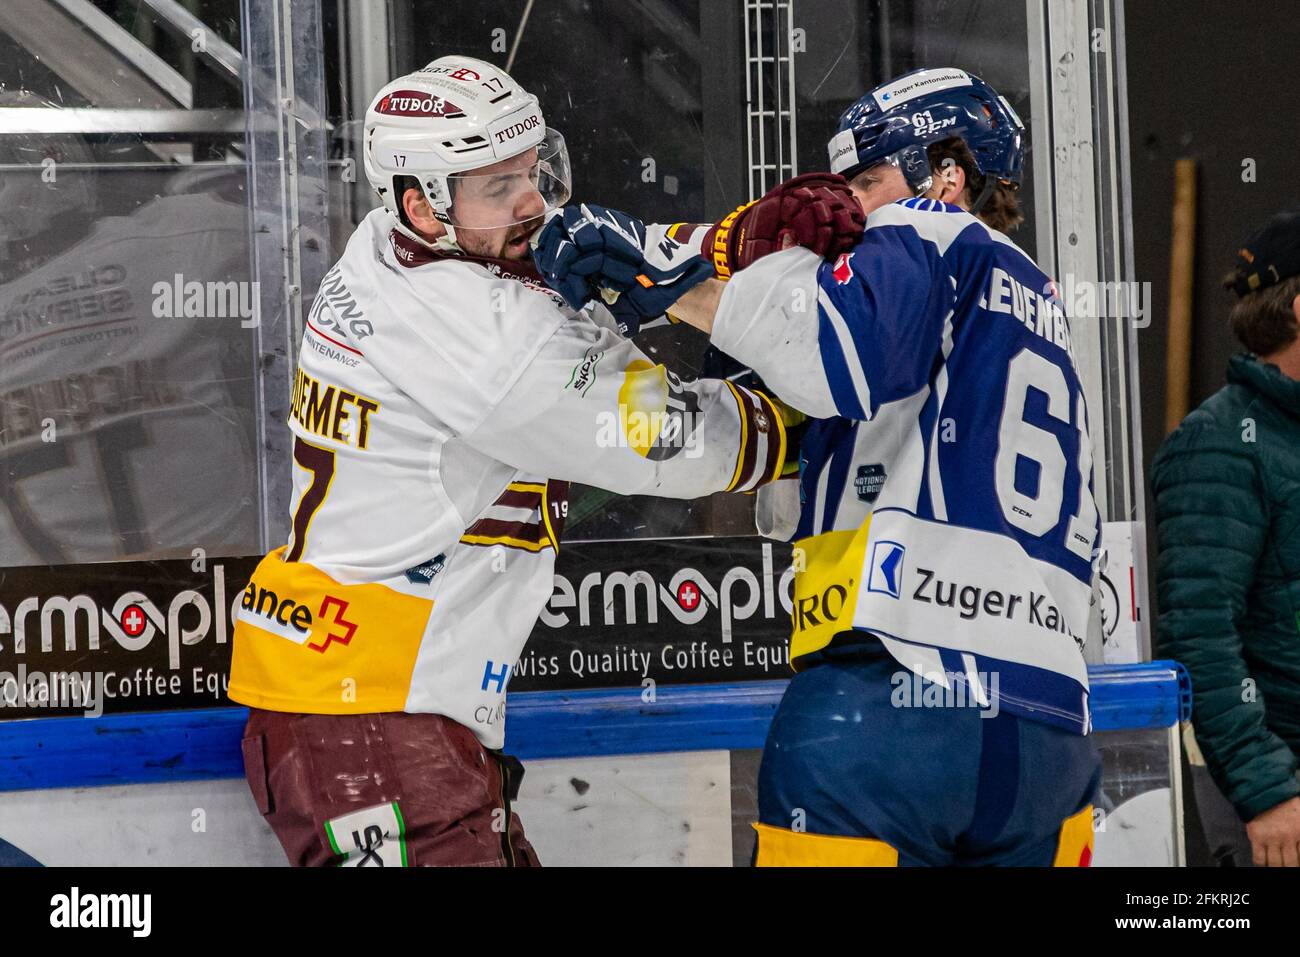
<point>550,177</point>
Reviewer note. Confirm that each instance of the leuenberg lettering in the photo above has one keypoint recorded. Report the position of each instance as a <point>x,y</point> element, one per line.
<point>1041,315</point>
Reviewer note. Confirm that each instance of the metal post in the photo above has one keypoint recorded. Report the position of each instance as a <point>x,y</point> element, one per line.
<point>284,94</point>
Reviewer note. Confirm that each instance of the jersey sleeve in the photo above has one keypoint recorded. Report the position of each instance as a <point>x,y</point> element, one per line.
<point>668,245</point>
<point>842,337</point>
<point>591,407</point>
<point>457,340</point>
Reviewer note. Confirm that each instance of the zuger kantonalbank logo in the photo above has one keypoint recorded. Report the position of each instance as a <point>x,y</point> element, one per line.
<point>628,598</point>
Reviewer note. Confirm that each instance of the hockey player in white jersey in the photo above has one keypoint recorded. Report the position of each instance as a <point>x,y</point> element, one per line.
<point>946,547</point>
<point>445,396</point>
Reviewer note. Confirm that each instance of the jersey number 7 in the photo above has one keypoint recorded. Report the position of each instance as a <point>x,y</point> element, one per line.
<point>320,462</point>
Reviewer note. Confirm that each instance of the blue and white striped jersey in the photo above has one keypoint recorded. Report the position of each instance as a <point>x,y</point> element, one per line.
<point>947,484</point>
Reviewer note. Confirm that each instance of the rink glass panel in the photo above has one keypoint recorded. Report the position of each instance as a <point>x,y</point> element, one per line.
<point>126,354</point>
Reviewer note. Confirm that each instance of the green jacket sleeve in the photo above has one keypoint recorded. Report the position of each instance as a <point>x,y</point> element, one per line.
<point>1212,523</point>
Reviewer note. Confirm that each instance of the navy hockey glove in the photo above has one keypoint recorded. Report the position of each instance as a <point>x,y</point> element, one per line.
<point>588,250</point>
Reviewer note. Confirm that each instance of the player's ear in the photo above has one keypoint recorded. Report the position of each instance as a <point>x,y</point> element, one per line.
<point>949,181</point>
<point>419,213</point>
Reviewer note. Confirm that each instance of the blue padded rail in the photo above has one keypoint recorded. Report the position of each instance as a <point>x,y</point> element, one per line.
<point>188,745</point>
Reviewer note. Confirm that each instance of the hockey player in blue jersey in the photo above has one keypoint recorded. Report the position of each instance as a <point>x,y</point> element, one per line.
<point>946,546</point>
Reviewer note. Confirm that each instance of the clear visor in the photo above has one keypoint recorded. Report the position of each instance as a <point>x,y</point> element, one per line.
<point>514,191</point>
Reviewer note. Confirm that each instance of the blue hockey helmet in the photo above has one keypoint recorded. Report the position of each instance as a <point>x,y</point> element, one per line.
<point>897,120</point>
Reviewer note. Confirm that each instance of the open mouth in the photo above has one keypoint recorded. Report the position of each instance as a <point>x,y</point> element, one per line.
<point>518,245</point>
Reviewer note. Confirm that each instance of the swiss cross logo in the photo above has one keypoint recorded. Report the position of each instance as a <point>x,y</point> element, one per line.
<point>842,271</point>
<point>133,621</point>
<point>349,627</point>
<point>688,595</point>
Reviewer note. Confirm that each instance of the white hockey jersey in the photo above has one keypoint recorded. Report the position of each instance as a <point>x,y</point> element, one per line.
<point>440,408</point>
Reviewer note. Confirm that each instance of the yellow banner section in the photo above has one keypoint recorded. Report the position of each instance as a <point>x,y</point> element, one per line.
<point>828,569</point>
<point>305,642</point>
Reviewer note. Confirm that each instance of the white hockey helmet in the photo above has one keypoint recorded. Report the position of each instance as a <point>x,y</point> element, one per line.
<point>446,121</point>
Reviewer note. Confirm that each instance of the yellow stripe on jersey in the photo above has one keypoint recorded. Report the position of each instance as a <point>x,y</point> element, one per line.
<point>780,847</point>
<point>779,412</point>
<point>546,518</point>
<point>744,436</point>
<point>538,487</point>
<point>509,541</point>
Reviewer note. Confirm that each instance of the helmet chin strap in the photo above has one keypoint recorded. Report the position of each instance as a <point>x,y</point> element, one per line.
<point>447,242</point>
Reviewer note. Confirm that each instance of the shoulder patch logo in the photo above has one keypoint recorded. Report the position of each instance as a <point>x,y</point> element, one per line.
<point>869,481</point>
<point>842,271</point>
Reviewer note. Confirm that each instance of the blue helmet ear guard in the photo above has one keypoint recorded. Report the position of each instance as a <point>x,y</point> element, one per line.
<point>897,120</point>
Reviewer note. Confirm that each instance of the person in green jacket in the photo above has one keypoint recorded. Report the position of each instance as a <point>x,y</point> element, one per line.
<point>1227,492</point>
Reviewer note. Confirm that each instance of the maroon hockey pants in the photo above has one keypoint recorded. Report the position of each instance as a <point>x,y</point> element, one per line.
<point>387,789</point>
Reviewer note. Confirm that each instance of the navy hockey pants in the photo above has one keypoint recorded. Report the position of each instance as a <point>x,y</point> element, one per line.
<point>849,778</point>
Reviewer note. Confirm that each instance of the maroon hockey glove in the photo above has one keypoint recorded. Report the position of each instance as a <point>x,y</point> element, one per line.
<point>815,210</point>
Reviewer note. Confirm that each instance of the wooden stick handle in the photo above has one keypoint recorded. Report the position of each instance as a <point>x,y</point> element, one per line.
<point>1182,268</point>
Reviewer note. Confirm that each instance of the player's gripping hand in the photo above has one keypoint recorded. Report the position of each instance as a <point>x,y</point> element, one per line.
<point>815,210</point>
<point>588,250</point>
